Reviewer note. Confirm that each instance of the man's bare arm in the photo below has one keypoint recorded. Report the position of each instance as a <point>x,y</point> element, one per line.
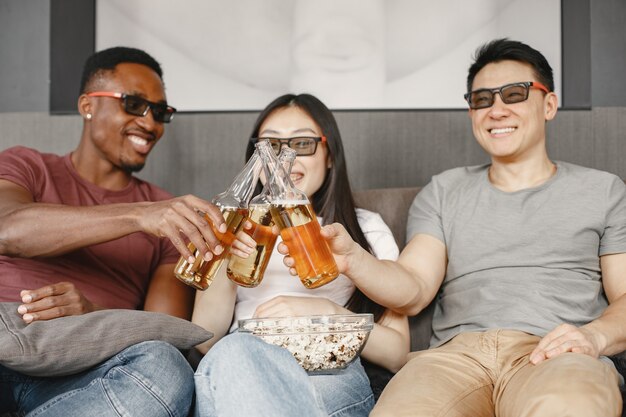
<point>406,286</point>
<point>30,229</point>
<point>168,295</point>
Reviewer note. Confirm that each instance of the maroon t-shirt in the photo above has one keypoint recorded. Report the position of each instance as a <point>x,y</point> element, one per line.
<point>114,274</point>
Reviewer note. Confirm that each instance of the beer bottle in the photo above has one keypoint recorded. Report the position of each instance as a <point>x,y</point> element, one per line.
<point>233,203</point>
<point>249,272</point>
<point>293,213</point>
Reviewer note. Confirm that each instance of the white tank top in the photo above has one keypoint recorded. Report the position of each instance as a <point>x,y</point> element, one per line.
<point>277,280</point>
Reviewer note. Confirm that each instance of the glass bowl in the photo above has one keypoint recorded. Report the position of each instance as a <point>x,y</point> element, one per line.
<point>320,344</point>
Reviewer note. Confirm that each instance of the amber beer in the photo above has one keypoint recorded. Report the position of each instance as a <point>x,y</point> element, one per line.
<point>200,273</point>
<point>249,272</point>
<point>300,231</point>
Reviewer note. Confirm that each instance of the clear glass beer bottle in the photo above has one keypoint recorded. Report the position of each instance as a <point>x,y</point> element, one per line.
<point>233,203</point>
<point>293,213</point>
<point>249,272</point>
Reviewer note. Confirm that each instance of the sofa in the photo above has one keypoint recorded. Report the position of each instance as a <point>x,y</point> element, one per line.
<point>393,206</point>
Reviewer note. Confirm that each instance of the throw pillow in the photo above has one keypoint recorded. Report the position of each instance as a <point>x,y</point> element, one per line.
<point>72,344</point>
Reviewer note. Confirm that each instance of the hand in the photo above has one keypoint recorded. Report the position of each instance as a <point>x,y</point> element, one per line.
<point>189,217</point>
<point>244,244</point>
<point>287,306</point>
<point>341,245</point>
<point>565,338</point>
<point>52,301</point>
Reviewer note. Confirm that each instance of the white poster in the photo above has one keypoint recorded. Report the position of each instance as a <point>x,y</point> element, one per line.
<point>225,55</point>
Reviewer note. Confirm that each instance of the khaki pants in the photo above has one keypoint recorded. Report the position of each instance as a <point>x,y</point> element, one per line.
<point>487,374</point>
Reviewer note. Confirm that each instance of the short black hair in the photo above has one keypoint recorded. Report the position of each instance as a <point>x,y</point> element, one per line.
<point>505,49</point>
<point>108,59</point>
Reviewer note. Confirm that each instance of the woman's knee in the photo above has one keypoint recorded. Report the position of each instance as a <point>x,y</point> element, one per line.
<point>232,352</point>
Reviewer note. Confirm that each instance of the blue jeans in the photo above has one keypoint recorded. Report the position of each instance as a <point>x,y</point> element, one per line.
<point>146,379</point>
<point>243,376</point>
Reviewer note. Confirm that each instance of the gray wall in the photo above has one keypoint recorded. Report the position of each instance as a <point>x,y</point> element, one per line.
<point>24,55</point>
<point>608,52</point>
<point>200,153</point>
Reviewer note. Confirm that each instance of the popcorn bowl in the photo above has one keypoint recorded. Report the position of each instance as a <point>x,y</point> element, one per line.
<point>320,344</point>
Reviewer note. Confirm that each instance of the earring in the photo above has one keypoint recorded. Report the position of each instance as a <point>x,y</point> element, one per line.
<point>88,116</point>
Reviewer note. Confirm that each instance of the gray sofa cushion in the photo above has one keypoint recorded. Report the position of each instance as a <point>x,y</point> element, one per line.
<point>393,206</point>
<point>68,345</point>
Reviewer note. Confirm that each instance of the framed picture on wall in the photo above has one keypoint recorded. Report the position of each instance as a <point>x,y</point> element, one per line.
<point>353,54</point>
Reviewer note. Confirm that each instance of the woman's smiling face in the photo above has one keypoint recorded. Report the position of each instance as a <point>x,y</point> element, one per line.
<point>308,172</point>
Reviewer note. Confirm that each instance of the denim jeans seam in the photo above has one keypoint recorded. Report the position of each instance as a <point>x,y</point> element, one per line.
<point>341,410</point>
<point>62,397</point>
<point>121,356</point>
<point>143,385</point>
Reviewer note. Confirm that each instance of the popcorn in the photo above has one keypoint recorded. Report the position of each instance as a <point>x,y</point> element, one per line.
<point>319,343</point>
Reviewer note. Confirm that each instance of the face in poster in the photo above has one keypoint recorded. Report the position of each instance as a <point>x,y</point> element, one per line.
<point>352,54</point>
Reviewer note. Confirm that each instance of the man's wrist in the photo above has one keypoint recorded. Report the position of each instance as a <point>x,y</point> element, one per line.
<point>356,257</point>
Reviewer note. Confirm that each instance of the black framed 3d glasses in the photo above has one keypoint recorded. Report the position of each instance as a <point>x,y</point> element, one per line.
<point>303,145</point>
<point>138,106</point>
<point>509,93</point>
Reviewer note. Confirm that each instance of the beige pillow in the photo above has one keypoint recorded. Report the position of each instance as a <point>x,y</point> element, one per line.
<point>68,345</point>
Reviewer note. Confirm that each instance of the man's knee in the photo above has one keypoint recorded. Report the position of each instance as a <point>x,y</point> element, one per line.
<point>161,369</point>
<point>576,385</point>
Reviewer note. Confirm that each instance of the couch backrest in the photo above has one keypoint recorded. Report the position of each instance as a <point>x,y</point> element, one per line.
<point>393,206</point>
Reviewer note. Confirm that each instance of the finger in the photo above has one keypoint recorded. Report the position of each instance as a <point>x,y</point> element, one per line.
<point>566,346</point>
<point>559,342</point>
<point>197,217</point>
<point>240,248</point>
<point>245,239</point>
<point>182,217</point>
<point>333,230</point>
<point>560,335</point>
<point>293,272</point>
<point>329,231</point>
<point>261,308</point>
<point>39,305</point>
<point>182,247</point>
<point>239,253</point>
<point>48,314</point>
<point>283,249</point>
<point>575,343</point>
<point>200,234</point>
<point>213,214</point>
<point>539,353</point>
<point>58,288</point>
<point>209,234</point>
<point>289,262</point>
<point>274,308</point>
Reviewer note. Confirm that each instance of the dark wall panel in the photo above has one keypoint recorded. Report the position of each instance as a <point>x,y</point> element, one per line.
<point>576,54</point>
<point>72,40</point>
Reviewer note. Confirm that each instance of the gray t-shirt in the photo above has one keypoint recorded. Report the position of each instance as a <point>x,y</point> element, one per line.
<point>527,260</point>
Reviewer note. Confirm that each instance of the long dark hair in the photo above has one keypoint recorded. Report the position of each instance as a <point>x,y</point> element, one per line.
<point>333,201</point>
